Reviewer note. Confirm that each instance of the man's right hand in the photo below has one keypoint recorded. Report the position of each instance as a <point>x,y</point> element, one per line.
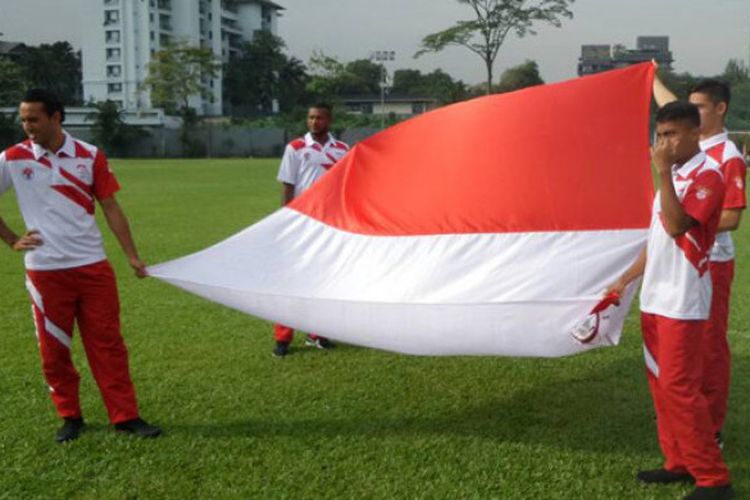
<point>618,287</point>
<point>29,241</point>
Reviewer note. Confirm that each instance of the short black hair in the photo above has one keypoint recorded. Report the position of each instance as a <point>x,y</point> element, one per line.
<point>716,90</point>
<point>323,105</point>
<point>679,111</point>
<point>52,103</point>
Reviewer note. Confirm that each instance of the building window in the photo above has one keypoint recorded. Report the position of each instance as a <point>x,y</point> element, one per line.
<point>111,3</point>
<point>114,88</point>
<point>111,17</point>
<point>153,36</point>
<point>113,55</point>
<point>113,36</point>
<point>114,71</point>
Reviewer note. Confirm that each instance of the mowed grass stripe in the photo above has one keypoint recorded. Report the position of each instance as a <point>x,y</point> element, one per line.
<point>350,423</point>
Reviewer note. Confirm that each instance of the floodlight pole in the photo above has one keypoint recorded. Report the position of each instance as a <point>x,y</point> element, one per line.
<point>382,56</point>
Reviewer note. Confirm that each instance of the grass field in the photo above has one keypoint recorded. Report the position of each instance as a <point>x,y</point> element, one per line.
<point>350,423</point>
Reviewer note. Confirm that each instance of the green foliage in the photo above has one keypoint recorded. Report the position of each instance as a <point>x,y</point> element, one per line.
<point>738,117</point>
<point>110,131</point>
<point>56,67</point>
<point>331,78</point>
<point>519,77</point>
<point>736,72</point>
<point>437,84</point>
<point>493,21</point>
<point>178,72</point>
<point>261,74</point>
<point>10,131</point>
<point>352,423</point>
<point>191,148</point>
<point>13,83</point>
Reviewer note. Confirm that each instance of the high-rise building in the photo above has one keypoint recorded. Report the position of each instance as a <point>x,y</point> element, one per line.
<point>116,53</point>
<point>596,58</point>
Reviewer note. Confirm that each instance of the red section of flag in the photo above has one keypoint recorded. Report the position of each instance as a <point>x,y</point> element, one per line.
<point>560,157</point>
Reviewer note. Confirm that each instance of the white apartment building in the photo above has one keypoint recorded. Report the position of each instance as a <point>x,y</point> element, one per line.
<point>117,49</point>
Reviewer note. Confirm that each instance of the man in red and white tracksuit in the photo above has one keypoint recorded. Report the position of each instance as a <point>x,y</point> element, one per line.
<point>306,160</point>
<point>712,98</point>
<point>57,180</point>
<point>676,302</point>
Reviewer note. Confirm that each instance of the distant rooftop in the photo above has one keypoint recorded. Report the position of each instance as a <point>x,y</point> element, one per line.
<point>597,58</point>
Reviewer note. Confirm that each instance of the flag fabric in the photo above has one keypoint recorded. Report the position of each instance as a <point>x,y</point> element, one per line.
<point>488,227</point>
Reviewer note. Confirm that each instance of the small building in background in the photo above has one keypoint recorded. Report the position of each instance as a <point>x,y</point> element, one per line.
<point>12,51</point>
<point>598,58</point>
<point>399,106</point>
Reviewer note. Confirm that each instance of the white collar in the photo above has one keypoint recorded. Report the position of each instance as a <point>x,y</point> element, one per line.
<point>68,148</point>
<point>687,168</point>
<point>715,140</point>
<point>309,141</point>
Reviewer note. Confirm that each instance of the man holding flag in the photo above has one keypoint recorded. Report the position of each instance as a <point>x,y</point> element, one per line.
<point>712,99</point>
<point>676,299</point>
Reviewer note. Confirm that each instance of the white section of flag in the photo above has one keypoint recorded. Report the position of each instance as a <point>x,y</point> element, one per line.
<point>515,294</point>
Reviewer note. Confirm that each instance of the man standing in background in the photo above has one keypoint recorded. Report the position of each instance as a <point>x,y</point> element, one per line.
<point>305,160</point>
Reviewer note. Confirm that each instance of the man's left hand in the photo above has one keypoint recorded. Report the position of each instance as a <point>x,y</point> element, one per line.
<point>139,267</point>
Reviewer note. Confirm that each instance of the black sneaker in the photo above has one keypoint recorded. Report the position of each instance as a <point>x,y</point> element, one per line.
<point>319,342</point>
<point>663,476</point>
<point>711,493</point>
<point>719,440</point>
<point>281,349</point>
<point>70,430</point>
<point>138,427</point>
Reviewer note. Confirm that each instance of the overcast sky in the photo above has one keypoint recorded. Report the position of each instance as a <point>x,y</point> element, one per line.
<point>703,34</point>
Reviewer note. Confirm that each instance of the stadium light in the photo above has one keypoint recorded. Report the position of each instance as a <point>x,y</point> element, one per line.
<point>382,56</point>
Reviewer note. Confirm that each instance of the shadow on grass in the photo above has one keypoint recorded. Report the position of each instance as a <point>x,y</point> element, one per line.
<point>606,408</point>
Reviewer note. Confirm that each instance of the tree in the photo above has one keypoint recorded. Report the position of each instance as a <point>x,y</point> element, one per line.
<point>110,131</point>
<point>178,72</point>
<point>9,130</point>
<point>261,74</point>
<point>521,76</point>
<point>438,84</point>
<point>331,78</point>
<point>55,67</point>
<point>494,20</point>
<point>736,72</point>
<point>13,83</point>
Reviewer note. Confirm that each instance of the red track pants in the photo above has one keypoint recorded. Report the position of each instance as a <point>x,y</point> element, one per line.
<point>674,361</point>
<point>86,295</point>
<point>717,365</point>
<point>285,334</point>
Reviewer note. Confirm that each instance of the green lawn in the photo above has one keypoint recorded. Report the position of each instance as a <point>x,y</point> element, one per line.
<point>350,423</point>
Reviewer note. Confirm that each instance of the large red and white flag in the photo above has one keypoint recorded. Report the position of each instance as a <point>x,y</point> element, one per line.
<point>489,227</point>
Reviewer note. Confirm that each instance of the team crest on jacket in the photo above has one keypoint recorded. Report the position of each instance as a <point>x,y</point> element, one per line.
<point>81,170</point>
<point>702,193</point>
<point>28,173</point>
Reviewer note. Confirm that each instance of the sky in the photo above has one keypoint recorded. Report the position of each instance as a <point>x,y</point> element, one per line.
<point>703,34</point>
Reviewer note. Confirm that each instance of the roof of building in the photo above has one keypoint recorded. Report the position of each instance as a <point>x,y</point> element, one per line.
<point>388,98</point>
<point>8,47</point>
<point>273,5</point>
